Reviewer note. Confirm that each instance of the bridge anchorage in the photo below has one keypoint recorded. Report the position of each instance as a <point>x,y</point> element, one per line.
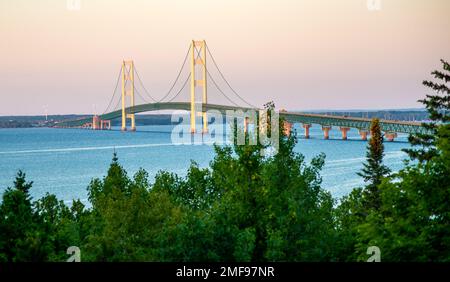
<point>199,77</point>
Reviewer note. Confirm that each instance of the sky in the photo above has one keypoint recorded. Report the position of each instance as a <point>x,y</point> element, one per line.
<point>301,54</point>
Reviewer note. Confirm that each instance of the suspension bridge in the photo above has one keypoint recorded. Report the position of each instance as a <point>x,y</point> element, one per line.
<point>134,98</point>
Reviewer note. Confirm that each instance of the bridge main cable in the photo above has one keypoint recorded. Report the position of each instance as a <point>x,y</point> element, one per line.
<point>176,79</point>
<point>143,86</point>
<point>114,93</point>
<point>226,81</point>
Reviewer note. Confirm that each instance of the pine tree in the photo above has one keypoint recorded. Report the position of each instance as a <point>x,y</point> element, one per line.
<point>374,170</point>
<point>438,106</point>
<point>17,224</point>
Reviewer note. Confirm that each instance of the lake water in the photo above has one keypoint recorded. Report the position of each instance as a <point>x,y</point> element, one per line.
<point>63,161</point>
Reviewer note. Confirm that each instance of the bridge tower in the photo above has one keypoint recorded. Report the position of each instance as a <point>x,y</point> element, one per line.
<point>198,58</point>
<point>127,90</point>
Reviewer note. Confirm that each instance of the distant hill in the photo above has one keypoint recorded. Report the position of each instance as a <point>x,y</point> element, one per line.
<point>42,121</point>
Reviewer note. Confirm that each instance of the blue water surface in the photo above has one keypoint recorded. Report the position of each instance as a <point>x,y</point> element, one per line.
<point>63,161</point>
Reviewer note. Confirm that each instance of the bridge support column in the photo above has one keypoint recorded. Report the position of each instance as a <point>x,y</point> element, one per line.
<point>105,124</point>
<point>344,131</point>
<point>246,122</point>
<point>96,123</point>
<point>128,80</point>
<point>287,128</point>
<point>199,60</point>
<point>326,131</point>
<point>363,133</point>
<point>390,136</point>
<point>306,127</point>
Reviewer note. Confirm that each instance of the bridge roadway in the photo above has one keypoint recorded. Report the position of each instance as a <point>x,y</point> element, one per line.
<point>292,117</point>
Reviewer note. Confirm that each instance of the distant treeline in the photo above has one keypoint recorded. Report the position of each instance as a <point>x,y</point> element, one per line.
<point>406,115</point>
<point>14,124</point>
<point>32,121</point>
<point>42,121</point>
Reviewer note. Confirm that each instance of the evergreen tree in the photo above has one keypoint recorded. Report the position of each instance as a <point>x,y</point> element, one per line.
<point>20,237</point>
<point>374,170</point>
<point>438,107</point>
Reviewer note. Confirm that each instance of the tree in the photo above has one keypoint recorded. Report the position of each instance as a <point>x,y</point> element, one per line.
<point>127,217</point>
<point>412,222</point>
<point>21,238</point>
<point>438,106</point>
<point>259,208</point>
<point>374,170</point>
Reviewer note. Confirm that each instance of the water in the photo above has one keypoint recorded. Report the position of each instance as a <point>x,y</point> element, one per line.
<point>63,161</point>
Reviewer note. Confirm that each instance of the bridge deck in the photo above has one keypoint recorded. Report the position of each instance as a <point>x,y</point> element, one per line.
<point>295,117</point>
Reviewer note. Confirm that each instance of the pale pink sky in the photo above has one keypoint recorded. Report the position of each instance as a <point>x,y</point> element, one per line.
<point>302,54</point>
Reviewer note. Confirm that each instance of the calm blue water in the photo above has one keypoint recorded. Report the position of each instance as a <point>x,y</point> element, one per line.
<point>63,161</point>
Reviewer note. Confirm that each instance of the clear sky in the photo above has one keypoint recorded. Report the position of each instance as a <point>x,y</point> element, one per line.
<point>302,54</point>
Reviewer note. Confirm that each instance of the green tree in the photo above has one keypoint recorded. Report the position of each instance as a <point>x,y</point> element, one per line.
<point>412,222</point>
<point>374,170</point>
<point>299,212</point>
<point>21,238</point>
<point>438,106</point>
<point>260,208</point>
<point>349,214</point>
<point>127,217</point>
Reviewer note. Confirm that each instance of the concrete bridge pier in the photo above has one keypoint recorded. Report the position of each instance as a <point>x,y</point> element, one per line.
<point>246,122</point>
<point>344,131</point>
<point>307,126</point>
<point>95,122</point>
<point>99,124</point>
<point>326,131</point>
<point>363,133</point>
<point>390,136</point>
<point>105,124</point>
<point>287,128</point>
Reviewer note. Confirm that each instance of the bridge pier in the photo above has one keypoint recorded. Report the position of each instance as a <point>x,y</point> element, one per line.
<point>95,122</point>
<point>363,133</point>
<point>390,136</point>
<point>98,124</point>
<point>287,128</point>
<point>105,124</point>
<point>246,122</point>
<point>344,131</point>
<point>307,126</point>
<point>326,131</point>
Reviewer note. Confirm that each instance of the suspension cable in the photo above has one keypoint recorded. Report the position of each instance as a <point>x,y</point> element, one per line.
<point>114,93</point>
<point>118,102</point>
<point>223,77</point>
<point>117,105</point>
<point>181,89</point>
<point>220,90</point>
<point>178,76</point>
<point>187,79</point>
<point>139,94</point>
<point>142,84</point>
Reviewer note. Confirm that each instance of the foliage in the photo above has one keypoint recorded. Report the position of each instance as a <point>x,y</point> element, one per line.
<point>438,106</point>
<point>374,170</point>
<point>411,222</point>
